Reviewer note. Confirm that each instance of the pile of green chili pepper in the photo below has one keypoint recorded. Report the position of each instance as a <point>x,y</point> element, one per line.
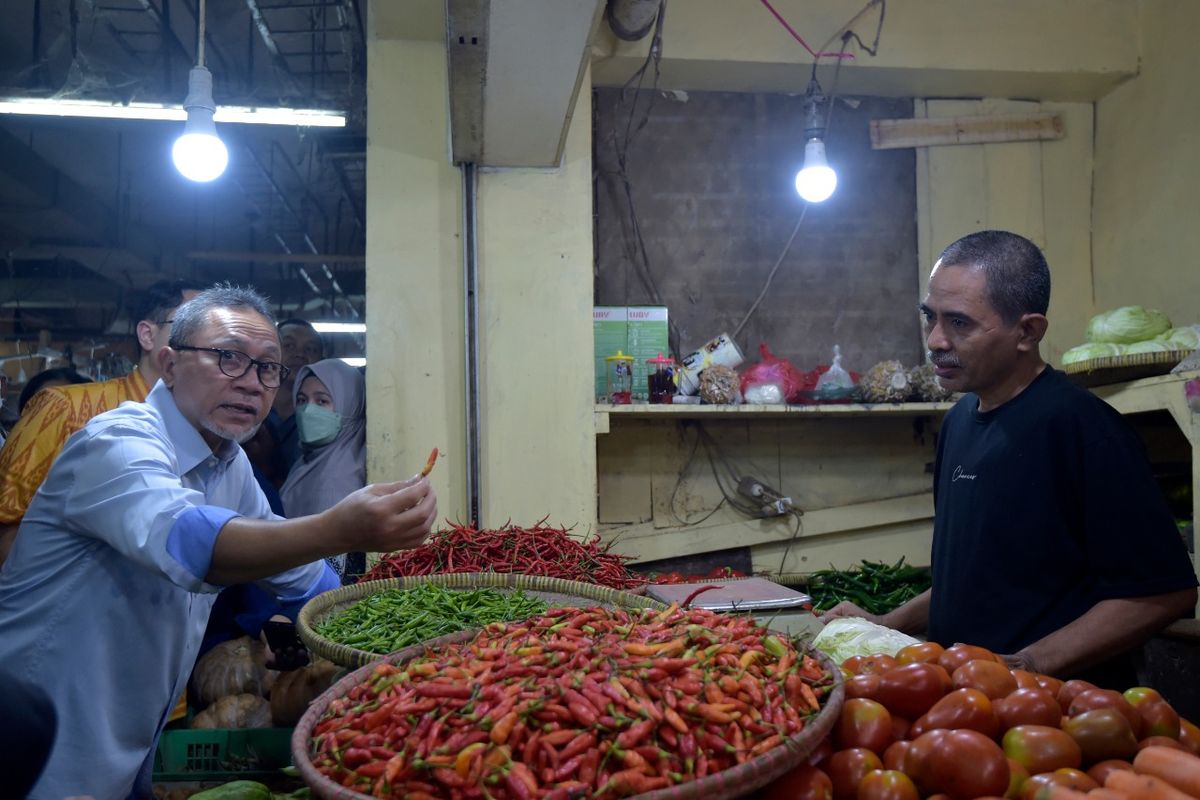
<point>388,621</point>
<point>875,586</point>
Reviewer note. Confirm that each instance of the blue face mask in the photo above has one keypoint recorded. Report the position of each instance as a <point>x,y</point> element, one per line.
<point>317,425</point>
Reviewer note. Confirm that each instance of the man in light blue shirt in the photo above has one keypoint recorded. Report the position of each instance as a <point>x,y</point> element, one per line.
<point>146,514</point>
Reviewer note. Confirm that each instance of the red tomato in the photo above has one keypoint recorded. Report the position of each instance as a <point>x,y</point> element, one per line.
<point>900,728</point>
<point>1098,772</point>
<point>1160,741</point>
<point>1189,736</point>
<point>851,665</point>
<point>989,677</point>
<point>862,686</point>
<point>1028,707</point>
<point>893,757</point>
<point>1041,748</point>
<point>1106,698</point>
<point>1075,779</point>
<point>960,654</point>
<point>846,769</point>
<point>805,782</point>
<point>1049,683</point>
<point>1158,719</point>
<point>1017,775</point>
<point>887,784</point>
<point>869,665</point>
<point>921,652</point>
<point>864,723</point>
<point>962,708</point>
<point>1037,784</point>
<point>1140,694</point>
<point>912,689</point>
<point>1069,690</point>
<point>1102,733</point>
<point>1025,679</point>
<point>966,765</point>
<point>918,755</point>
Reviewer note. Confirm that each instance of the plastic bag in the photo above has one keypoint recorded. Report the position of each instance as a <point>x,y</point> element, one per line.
<point>773,370</point>
<point>836,376</point>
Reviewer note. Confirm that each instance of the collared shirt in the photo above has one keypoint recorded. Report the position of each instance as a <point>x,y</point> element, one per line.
<point>103,601</point>
<point>50,417</point>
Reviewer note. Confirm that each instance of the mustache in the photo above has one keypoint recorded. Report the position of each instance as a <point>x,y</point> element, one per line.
<point>943,359</point>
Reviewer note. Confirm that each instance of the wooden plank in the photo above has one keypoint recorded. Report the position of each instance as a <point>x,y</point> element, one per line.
<point>645,542</point>
<point>648,410</point>
<point>911,541</point>
<point>888,134</point>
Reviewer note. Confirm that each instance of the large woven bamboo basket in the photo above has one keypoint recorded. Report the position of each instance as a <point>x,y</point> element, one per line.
<point>736,781</point>
<point>1117,369</point>
<point>553,591</point>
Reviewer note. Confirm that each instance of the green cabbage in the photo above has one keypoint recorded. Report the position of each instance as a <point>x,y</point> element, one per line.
<point>1152,346</point>
<point>1127,324</point>
<point>1182,338</point>
<point>854,636</point>
<point>1086,352</point>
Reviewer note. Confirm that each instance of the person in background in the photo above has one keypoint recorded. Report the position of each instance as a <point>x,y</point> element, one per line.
<point>302,345</point>
<point>1052,544</point>
<point>48,379</point>
<point>54,414</point>
<point>147,512</point>
<point>331,418</point>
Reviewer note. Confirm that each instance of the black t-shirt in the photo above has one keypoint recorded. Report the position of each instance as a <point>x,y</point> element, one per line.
<point>1044,506</point>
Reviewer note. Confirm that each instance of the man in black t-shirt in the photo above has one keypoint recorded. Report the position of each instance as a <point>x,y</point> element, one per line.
<point>1052,543</point>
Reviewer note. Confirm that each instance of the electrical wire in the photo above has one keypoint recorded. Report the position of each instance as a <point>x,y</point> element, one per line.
<point>819,53</point>
<point>621,150</point>
<point>200,23</point>
<point>792,539</point>
<point>771,274</point>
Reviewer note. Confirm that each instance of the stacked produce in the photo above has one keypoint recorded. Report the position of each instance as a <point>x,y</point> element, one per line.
<point>386,622</point>
<point>577,702</point>
<point>874,586</point>
<point>233,688</point>
<point>959,723</point>
<point>1130,330</point>
<point>540,550</point>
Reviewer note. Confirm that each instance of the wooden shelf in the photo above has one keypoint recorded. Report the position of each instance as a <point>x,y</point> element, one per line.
<point>648,411</point>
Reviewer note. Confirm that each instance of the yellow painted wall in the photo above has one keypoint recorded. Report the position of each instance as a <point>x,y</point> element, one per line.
<point>535,233</point>
<point>1146,236</point>
<point>414,271</point>
<point>535,265</point>
<point>1042,190</point>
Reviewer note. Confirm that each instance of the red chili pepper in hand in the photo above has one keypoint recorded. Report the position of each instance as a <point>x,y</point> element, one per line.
<point>433,454</point>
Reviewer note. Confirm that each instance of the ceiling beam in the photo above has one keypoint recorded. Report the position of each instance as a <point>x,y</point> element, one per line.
<point>278,258</point>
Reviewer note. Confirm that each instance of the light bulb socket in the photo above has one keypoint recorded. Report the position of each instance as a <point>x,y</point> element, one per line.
<point>814,153</point>
<point>199,102</point>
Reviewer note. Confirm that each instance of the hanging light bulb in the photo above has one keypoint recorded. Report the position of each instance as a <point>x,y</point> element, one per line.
<point>199,154</point>
<point>816,180</point>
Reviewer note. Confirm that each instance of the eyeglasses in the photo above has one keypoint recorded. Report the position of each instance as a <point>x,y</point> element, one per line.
<point>235,364</point>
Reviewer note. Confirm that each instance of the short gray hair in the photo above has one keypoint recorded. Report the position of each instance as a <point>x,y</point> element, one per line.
<point>192,316</point>
<point>1016,273</point>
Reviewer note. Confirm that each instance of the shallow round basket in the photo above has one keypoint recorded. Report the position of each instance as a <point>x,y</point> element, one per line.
<point>733,782</point>
<point>555,592</point>
<point>1117,369</point>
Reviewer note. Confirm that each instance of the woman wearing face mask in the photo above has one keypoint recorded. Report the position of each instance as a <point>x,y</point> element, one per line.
<point>331,407</point>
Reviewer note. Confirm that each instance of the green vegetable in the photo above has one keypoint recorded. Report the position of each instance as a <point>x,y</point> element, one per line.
<point>1127,324</point>
<point>237,790</point>
<point>386,622</point>
<point>1086,352</point>
<point>853,636</point>
<point>875,587</point>
<point>1182,338</point>
<point>1152,346</point>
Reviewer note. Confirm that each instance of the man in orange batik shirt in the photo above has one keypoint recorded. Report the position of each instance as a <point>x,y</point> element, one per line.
<point>54,414</point>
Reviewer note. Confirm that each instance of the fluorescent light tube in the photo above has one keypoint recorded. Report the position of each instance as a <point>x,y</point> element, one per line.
<point>304,117</point>
<point>356,362</point>
<point>340,327</point>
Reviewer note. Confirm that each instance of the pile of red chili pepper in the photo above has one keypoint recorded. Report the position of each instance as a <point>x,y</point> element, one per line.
<point>540,550</point>
<point>577,702</point>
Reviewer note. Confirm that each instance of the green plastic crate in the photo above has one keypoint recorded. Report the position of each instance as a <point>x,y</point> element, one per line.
<point>221,754</point>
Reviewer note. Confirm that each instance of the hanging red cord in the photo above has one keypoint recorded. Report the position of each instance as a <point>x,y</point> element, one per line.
<point>797,37</point>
